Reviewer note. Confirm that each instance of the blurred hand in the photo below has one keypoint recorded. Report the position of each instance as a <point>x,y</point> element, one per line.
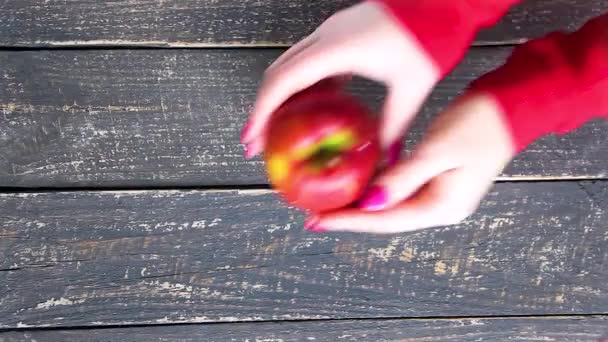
<point>362,40</point>
<point>442,182</point>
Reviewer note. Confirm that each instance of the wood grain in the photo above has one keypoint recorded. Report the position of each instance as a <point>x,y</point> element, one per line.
<point>184,23</point>
<point>114,118</point>
<point>574,329</point>
<point>158,257</point>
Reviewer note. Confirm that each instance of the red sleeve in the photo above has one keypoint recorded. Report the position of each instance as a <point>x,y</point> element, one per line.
<point>446,28</point>
<point>553,84</point>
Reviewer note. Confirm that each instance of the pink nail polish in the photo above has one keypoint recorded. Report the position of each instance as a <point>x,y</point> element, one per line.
<point>318,229</point>
<point>249,153</point>
<point>245,132</point>
<point>374,199</point>
<point>310,223</point>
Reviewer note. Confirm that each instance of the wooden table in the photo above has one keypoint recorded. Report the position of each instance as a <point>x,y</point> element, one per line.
<point>127,209</point>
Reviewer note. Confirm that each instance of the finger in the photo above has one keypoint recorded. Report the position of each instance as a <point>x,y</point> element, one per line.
<point>257,145</point>
<point>254,148</point>
<point>406,178</point>
<point>401,105</point>
<point>303,70</point>
<point>439,203</point>
<point>393,153</point>
<point>295,49</point>
<point>420,212</point>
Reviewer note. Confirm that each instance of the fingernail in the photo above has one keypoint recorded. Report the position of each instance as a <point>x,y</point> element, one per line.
<point>393,153</point>
<point>318,229</point>
<point>312,225</point>
<point>249,152</point>
<point>374,199</point>
<point>253,148</point>
<point>245,132</point>
<point>311,222</point>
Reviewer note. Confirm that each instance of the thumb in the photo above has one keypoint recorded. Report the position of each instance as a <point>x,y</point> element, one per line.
<point>406,178</point>
<point>400,107</point>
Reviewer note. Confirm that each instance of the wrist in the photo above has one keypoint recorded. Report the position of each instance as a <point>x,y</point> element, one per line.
<point>486,133</point>
<point>499,132</point>
<point>442,30</point>
<point>494,127</point>
<point>415,62</point>
<point>551,85</point>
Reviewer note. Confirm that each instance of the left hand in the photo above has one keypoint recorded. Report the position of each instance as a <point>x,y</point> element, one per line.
<point>363,40</point>
<point>442,182</point>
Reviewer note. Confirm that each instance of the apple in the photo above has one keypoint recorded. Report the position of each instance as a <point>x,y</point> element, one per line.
<point>322,148</point>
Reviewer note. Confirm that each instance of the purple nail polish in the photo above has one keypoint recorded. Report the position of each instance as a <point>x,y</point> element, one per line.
<point>393,153</point>
<point>374,199</point>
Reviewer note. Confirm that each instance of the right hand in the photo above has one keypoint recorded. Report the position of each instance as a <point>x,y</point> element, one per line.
<point>442,182</point>
<point>363,40</point>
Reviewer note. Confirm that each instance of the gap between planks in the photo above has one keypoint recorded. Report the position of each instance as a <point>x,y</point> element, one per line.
<point>159,44</point>
<point>25,327</point>
<point>254,189</point>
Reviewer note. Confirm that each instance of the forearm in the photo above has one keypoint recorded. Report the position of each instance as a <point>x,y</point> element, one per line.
<point>553,84</point>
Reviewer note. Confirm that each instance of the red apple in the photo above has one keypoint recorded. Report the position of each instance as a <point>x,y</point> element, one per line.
<point>322,148</point>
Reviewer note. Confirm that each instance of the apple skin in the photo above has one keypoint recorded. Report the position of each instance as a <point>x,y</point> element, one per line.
<point>322,148</point>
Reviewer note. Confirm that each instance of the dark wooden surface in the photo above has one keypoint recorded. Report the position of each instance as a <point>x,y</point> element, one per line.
<point>182,23</point>
<point>149,257</point>
<point>82,110</point>
<point>131,118</point>
<point>572,329</point>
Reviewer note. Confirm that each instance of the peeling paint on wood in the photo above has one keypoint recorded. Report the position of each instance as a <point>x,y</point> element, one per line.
<point>158,257</point>
<point>568,328</point>
<point>132,118</point>
<point>204,23</point>
<point>104,118</point>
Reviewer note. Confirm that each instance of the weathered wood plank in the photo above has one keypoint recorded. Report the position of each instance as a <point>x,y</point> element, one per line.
<point>574,329</point>
<point>173,117</point>
<point>146,257</point>
<point>231,22</point>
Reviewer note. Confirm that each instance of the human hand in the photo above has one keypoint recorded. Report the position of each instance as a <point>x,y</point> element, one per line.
<point>442,182</point>
<point>362,40</point>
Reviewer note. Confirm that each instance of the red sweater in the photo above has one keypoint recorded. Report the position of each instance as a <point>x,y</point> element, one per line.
<point>553,84</point>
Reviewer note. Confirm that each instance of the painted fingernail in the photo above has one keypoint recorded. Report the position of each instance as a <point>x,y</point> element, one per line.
<point>311,222</point>
<point>312,225</point>
<point>393,153</point>
<point>374,199</point>
<point>245,132</point>
<point>318,229</point>
<point>253,148</point>
<point>249,152</point>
